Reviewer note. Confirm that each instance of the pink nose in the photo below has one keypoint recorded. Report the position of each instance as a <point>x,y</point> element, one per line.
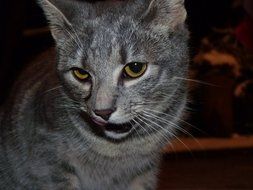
<point>105,114</point>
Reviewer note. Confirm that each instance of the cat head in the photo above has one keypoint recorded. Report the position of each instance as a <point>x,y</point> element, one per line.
<point>120,61</point>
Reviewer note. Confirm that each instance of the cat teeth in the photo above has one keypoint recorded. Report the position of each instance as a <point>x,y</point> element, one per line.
<point>115,135</point>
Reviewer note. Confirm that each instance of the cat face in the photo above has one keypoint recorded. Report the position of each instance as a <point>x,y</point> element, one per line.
<point>119,62</point>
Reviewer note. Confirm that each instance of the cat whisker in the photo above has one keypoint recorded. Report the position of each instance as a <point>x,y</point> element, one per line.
<point>195,81</point>
<point>174,125</point>
<point>166,121</point>
<point>143,128</point>
<point>146,131</point>
<point>74,37</point>
<point>136,122</point>
<point>66,106</point>
<point>52,89</point>
<point>132,125</point>
<point>174,117</point>
<point>61,97</point>
<point>142,117</point>
<point>77,37</point>
<point>167,131</point>
<point>68,53</point>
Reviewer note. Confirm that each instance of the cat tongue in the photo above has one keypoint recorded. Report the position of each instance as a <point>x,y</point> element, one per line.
<point>99,123</point>
<point>117,128</point>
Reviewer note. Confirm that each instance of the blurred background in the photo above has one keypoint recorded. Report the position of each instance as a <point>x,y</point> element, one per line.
<point>220,117</point>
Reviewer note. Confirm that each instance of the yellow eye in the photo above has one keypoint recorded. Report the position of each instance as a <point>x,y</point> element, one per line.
<point>135,69</point>
<point>80,74</point>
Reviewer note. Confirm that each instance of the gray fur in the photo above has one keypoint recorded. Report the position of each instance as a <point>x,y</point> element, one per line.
<point>47,143</point>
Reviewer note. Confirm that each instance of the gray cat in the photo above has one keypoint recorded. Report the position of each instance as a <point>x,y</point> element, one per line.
<point>94,112</point>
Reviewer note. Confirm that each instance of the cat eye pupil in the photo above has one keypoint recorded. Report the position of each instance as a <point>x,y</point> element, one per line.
<point>80,74</point>
<point>136,67</point>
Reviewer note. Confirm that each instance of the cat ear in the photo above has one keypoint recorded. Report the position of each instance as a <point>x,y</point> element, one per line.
<point>56,12</point>
<point>165,13</point>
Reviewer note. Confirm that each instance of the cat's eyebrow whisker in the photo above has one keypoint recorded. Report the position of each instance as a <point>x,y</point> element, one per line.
<point>195,81</point>
<point>75,33</point>
<point>69,54</point>
<point>170,133</point>
<point>74,37</point>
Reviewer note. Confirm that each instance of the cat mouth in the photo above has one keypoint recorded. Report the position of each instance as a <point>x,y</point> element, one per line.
<point>111,130</point>
<point>111,127</point>
<point>118,131</point>
<point>107,129</point>
<point>118,128</point>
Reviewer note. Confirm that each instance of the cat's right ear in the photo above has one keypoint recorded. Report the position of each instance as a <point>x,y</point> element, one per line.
<point>59,24</point>
<point>164,14</point>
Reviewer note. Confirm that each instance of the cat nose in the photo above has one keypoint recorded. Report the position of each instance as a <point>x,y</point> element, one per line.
<point>105,114</point>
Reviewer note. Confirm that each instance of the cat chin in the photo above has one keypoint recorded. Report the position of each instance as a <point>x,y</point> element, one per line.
<point>117,132</point>
<point>115,135</point>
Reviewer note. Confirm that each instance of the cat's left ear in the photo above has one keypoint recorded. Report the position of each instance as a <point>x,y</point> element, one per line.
<point>58,13</point>
<point>165,13</point>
